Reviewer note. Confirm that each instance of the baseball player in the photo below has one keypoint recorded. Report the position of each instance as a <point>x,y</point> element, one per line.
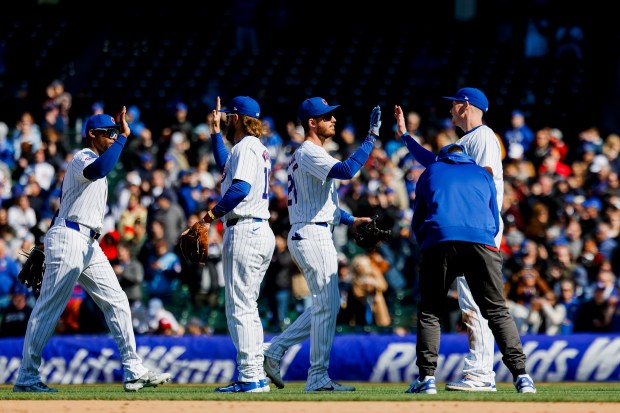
<point>481,143</point>
<point>72,254</point>
<point>313,212</point>
<point>249,242</point>
<point>456,219</point>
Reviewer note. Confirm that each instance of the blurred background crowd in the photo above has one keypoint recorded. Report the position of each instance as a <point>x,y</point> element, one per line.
<point>552,107</point>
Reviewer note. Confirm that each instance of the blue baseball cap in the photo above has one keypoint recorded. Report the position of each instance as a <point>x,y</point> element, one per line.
<point>443,152</point>
<point>313,107</point>
<point>472,95</point>
<point>243,105</point>
<point>101,121</point>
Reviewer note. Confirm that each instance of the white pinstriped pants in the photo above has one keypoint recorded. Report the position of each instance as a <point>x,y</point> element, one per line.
<point>316,256</point>
<point>247,251</point>
<point>72,257</point>
<point>478,363</point>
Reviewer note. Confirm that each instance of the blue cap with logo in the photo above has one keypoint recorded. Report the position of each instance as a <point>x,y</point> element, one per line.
<point>472,95</point>
<point>313,107</point>
<point>101,121</point>
<point>243,105</point>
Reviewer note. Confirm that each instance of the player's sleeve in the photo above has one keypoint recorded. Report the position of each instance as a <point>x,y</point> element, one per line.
<point>419,152</point>
<point>104,164</point>
<point>220,153</point>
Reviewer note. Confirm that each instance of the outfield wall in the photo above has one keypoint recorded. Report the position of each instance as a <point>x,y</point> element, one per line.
<point>359,358</point>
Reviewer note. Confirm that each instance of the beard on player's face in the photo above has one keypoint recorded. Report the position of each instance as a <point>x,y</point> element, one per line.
<point>326,129</point>
<point>230,130</point>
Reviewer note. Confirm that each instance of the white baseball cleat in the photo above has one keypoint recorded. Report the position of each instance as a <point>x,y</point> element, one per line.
<point>470,384</point>
<point>149,379</point>
<point>525,384</point>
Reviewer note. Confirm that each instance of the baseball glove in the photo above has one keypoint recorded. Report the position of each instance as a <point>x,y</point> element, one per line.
<point>369,235</point>
<point>31,274</point>
<point>194,243</point>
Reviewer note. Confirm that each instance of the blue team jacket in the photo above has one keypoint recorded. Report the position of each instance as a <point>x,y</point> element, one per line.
<point>456,200</point>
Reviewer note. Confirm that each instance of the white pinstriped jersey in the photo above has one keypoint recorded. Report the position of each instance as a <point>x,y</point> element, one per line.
<point>246,158</point>
<point>483,145</point>
<point>82,200</point>
<point>311,196</point>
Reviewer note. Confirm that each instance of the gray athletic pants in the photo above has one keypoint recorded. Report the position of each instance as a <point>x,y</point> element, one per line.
<point>481,266</point>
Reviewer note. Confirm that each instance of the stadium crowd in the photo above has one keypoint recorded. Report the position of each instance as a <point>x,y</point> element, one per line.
<point>561,242</point>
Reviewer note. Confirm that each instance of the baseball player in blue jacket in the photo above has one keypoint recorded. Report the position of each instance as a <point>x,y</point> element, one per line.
<point>455,221</point>
<point>481,143</point>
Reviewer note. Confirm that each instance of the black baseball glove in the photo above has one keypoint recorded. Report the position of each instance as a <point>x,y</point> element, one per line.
<point>369,235</point>
<point>31,274</point>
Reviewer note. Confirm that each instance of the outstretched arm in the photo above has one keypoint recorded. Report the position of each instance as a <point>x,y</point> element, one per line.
<point>220,153</point>
<point>347,169</point>
<point>420,153</point>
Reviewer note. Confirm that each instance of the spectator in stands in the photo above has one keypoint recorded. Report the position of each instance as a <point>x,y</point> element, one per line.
<point>540,149</point>
<point>26,137</point>
<point>546,315</point>
<point>189,192</point>
<point>535,228</point>
<point>162,273</point>
<point>9,269</point>
<point>21,216</point>
<point>522,290</point>
<point>366,303</point>
<point>135,212</point>
<point>595,315</point>
<point>195,327</point>
<point>133,119</point>
<point>7,150</point>
<point>604,240</point>
<point>162,321</point>
<point>200,144</point>
<point>571,302</point>
<point>181,122</point>
<point>271,138</point>
<point>179,145</point>
<point>130,273</point>
<point>519,137</point>
<point>244,21</point>
<point>277,284</point>
<point>170,215</point>
<point>42,170</point>
<point>59,97</point>
<point>14,317</point>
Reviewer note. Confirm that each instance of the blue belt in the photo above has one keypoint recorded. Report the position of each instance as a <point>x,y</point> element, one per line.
<point>91,233</point>
<point>322,224</point>
<point>233,222</point>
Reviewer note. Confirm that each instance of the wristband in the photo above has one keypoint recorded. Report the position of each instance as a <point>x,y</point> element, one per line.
<point>209,217</point>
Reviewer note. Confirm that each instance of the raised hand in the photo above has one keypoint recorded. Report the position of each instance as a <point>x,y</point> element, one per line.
<point>375,121</point>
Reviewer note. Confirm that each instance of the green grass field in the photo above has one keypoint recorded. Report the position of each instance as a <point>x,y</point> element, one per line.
<point>547,392</point>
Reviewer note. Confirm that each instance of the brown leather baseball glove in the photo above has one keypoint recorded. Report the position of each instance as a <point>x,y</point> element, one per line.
<point>194,243</point>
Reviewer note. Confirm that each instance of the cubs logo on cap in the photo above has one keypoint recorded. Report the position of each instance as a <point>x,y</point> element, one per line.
<point>313,107</point>
<point>472,95</point>
<point>101,121</point>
